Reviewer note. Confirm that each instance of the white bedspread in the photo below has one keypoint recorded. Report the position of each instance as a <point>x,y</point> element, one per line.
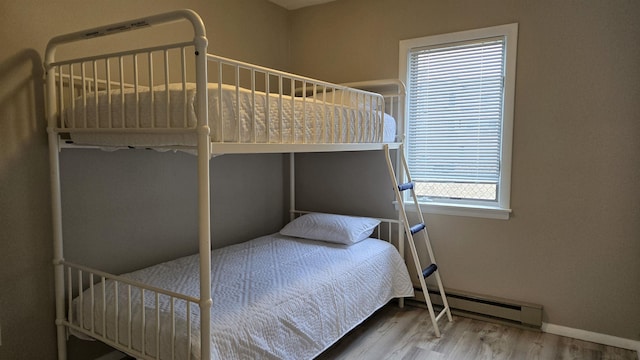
<point>345,124</point>
<point>274,297</point>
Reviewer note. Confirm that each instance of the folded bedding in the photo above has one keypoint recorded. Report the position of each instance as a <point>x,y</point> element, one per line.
<point>274,297</point>
<point>235,115</point>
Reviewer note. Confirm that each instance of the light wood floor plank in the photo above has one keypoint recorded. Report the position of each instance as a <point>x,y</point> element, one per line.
<point>407,334</point>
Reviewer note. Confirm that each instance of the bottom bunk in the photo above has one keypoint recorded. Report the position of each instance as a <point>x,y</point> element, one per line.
<point>275,297</point>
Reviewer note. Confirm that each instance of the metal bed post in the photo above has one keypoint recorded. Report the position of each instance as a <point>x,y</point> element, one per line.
<point>204,200</point>
<point>401,107</point>
<point>56,206</point>
<point>292,186</point>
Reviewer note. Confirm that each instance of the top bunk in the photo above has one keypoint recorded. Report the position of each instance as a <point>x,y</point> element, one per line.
<point>177,96</point>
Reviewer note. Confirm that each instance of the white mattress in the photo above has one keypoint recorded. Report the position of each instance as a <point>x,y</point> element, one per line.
<point>274,297</point>
<point>341,127</point>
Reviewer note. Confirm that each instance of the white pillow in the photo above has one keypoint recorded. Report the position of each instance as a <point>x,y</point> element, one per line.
<point>339,229</point>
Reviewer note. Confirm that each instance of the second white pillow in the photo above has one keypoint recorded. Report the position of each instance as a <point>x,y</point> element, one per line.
<point>333,228</point>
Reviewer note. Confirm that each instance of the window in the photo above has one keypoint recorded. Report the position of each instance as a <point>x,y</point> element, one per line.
<point>460,90</point>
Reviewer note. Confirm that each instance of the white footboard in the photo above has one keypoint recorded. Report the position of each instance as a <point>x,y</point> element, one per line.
<point>136,318</point>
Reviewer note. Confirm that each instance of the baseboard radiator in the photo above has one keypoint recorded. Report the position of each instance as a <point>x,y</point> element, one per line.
<point>487,308</point>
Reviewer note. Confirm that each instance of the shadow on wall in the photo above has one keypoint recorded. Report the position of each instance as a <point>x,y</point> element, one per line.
<point>26,299</point>
<point>21,103</point>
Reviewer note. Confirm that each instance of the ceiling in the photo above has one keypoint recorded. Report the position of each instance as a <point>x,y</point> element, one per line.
<point>297,4</point>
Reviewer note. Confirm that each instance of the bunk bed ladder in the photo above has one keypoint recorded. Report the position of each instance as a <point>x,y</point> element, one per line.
<point>416,231</point>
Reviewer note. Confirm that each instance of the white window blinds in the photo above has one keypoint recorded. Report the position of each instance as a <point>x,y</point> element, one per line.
<point>455,113</point>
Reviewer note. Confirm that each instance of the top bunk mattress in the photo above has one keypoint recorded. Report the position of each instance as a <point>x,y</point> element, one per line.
<point>236,115</point>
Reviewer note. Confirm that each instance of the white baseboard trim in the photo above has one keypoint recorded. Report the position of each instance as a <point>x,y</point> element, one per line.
<point>114,355</point>
<point>591,336</point>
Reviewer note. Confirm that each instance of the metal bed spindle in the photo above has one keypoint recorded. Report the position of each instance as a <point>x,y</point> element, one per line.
<point>136,88</point>
<point>92,302</point>
<point>325,124</point>
<point>220,125</point>
<point>157,303</point>
<point>238,118</point>
<point>314,128</point>
<point>81,300</point>
<point>304,111</point>
<point>344,126</point>
<point>173,327</point>
<point>189,327</point>
<point>267,90</point>
<point>122,102</point>
<point>129,313</point>
<point>333,115</point>
<point>325,116</point>
<point>318,114</point>
<point>359,122</point>
<point>116,311</point>
<point>104,306</point>
<point>61,91</point>
<point>152,107</point>
<point>143,324</point>
<point>108,85</point>
<point>254,124</point>
<point>293,112</point>
<point>370,126</point>
<point>94,69</point>
<point>183,66</point>
<point>70,294</point>
<point>167,109</point>
<point>280,113</point>
<point>83,75</point>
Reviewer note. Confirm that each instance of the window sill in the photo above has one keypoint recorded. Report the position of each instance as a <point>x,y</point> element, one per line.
<point>487,212</point>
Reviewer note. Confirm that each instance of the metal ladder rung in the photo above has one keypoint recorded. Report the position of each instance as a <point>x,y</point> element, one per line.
<point>417,228</point>
<point>426,272</point>
<point>406,186</point>
<point>442,313</point>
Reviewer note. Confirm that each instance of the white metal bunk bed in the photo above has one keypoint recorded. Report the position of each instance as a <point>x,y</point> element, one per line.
<point>177,96</point>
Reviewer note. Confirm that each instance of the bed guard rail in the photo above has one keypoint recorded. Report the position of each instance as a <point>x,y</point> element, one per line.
<point>164,18</point>
<point>139,319</point>
<point>394,92</point>
<point>79,89</point>
<point>150,90</point>
<point>327,113</point>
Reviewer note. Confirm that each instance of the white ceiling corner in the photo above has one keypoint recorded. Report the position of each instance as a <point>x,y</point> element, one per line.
<point>297,4</point>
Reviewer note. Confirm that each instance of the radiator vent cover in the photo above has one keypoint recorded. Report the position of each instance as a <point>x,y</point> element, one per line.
<point>488,308</point>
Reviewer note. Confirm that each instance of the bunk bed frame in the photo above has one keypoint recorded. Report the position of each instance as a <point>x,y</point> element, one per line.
<point>342,118</point>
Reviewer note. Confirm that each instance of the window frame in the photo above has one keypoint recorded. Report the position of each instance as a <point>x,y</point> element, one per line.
<point>499,209</point>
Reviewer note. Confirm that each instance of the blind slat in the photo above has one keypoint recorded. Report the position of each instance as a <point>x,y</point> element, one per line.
<point>455,102</point>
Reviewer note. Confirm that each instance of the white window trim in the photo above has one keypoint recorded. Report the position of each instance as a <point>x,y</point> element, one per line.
<point>510,32</point>
<point>442,208</point>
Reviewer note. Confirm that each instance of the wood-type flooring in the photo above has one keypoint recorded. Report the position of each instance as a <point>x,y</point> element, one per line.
<point>407,334</point>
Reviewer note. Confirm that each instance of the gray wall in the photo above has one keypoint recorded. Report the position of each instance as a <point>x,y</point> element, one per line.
<point>131,209</point>
<point>98,215</point>
<point>573,241</point>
